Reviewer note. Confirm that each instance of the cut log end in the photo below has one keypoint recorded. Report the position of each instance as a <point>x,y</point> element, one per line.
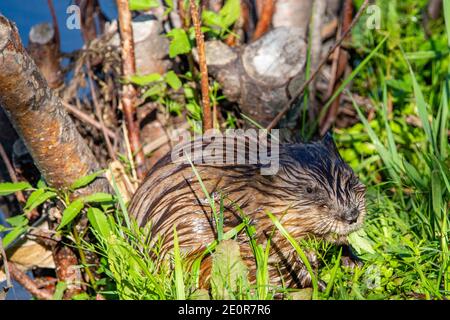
<point>42,33</point>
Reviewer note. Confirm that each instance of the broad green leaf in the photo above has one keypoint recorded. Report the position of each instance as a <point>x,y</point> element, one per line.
<point>211,18</point>
<point>18,221</point>
<point>39,199</point>
<point>7,188</point>
<point>99,222</point>
<point>41,184</point>
<point>33,197</point>
<point>145,79</point>
<point>229,271</point>
<point>143,4</point>
<point>98,197</point>
<point>230,12</point>
<point>360,243</point>
<point>71,213</point>
<point>155,90</point>
<point>179,43</point>
<point>173,80</point>
<point>13,234</point>
<point>84,181</point>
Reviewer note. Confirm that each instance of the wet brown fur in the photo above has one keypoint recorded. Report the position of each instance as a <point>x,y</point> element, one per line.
<point>312,194</point>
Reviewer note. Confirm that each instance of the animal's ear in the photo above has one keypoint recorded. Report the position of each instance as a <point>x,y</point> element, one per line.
<point>328,142</point>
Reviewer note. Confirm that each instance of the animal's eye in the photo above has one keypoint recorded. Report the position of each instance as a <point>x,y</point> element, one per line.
<point>309,190</point>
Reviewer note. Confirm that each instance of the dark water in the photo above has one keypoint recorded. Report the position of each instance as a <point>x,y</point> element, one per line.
<point>25,14</point>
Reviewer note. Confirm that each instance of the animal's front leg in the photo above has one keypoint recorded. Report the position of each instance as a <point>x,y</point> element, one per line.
<point>304,275</point>
<point>349,259</point>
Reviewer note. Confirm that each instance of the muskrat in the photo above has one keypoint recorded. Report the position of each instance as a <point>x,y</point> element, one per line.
<point>314,193</point>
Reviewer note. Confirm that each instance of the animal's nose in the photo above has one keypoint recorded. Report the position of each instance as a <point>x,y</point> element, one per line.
<point>351,215</point>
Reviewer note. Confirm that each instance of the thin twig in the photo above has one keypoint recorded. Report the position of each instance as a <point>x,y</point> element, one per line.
<point>316,72</point>
<point>129,92</point>
<point>55,22</point>
<point>88,119</point>
<point>28,283</point>
<point>11,172</point>
<point>207,117</point>
<point>99,114</point>
<point>265,20</point>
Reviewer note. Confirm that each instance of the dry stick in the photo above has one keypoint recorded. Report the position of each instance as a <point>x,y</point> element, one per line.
<point>98,113</point>
<point>11,172</point>
<point>129,92</point>
<point>207,117</point>
<point>87,118</point>
<point>28,283</point>
<point>316,72</point>
<point>341,64</point>
<point>266,19</point>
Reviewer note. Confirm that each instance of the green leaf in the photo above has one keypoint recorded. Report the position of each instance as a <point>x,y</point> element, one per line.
<point>156,90</point>
<point>179,43</point>
<point>81,296</point>
<point>33,197</point>
<point>41,184</point>
<point>84,181</point>
<point>38,199</point>
<point>145,79</point>
<point>230,12</point>
<point>211,18</point>
<point>61,286</point>
<point>173,80</point>
<point>7,188</point>
<point>18,221</point>
<point>98,197</point>
<point>13,234</point>
<point>228,272</point>
<point>360,242</point>
<point>143,4</point>
<point>99,222</point>
<point>71,213</point>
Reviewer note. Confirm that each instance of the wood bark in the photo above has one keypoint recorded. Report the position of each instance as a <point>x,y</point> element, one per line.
<point>150,45</point>
<point>51,137</point>
<point>260,76</point>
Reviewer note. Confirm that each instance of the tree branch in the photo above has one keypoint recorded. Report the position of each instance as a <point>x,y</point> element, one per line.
<point>49,133</point>
<point>207,116</point>
<point>129,92</point>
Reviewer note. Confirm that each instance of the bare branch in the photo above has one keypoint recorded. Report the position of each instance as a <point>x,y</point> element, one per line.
<point>207,116</point>
<point>129,92</point>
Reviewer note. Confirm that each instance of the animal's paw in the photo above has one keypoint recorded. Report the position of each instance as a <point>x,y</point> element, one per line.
<point>349,259</point>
